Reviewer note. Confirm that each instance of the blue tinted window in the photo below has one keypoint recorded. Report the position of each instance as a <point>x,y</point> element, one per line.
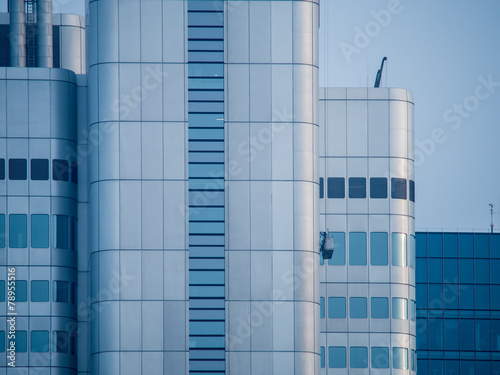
<point>451,334</point>
<point>379,307</point>
<point>205,57</point>
<point>338,257</point>
<point>323,357</point>
<point>206,45</point>
<point>398,188</point>
<point>412,251</point>
<point>466,334</point>
<point>336,307</point>
<point>450,271</point>
<point>60,227</point>
<point>207,157</point>
<point>60,341</point>
<point>466,245</point>
<point>399,308</point>
<point>421,326</point>
<point>205,83</point>
<point>436,334</point>
<point>495,245</point>
<point>450,243</point>
<point>421,296</point>
<point>321,188</point>
<point>482,245</point>
<point>322,307</point>
<point>413,310</point>
<point>39,231</point>
<point>357,249</point>
<point>206,240</point>
<point>17,231</point>
<point>413,360</point>
<point>336,187</point>
<point>206,277</point>
<point>357,187</point>
<point>421,244</point>
<point>206,120</point>
<point>206,213</point>
<point>495,302</point>
<point>378,249</point>
<point>358,356</point>
<point>483,297</point>
<point>495,267</point>
<point>378,187</point>
<point>495,335</point>
<point>400,358</point>
<point>2,169</point>
<point>206,70</point>
<point>40,341</point>
<point>435,243</point>
<point>399,249</point>
<point>207,342</point>
<point>206,328</point>
<point>435,270</point>
<point>380,357</point>
<point>337,357</point>
<point>205,33</point>
<point>436,296</point>
<point>421,270</point>
<point>39,169</point>
<point>21,341</point>
<point>205,18</point>
<point>21,290</point>
<point>198,133</point>
<point>482,334</point>
<point>206,291</point>
<point>2,341</point>
<point>207,146</point>
<point>206,170</point>
<point>60,170</point>
<point>2,230</point>
<point>39,291</point>
<point>206,227</point>
<point>466,297</point>
<point>481,271</point>
<point>205,95</point>
<point>412,190</point>
<point>74,233</point>
<point>2,291</point>
<point>60,291</point>
<point>18,169</point>
<point>207,107</point>
<point>204,198</point>
<point>450,295</point>
<point>357,307</point>
<point>466,271</point>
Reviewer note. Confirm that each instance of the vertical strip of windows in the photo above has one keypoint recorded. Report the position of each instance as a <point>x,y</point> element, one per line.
<point>206,187</point>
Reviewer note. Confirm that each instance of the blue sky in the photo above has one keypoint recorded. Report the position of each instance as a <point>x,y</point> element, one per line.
<point>442,50</point>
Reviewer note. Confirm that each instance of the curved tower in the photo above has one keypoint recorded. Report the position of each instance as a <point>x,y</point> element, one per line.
<point>367,196</point>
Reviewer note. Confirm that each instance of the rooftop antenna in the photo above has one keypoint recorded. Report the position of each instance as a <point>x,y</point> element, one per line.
<point>491,211</point>
<point>379,73</point>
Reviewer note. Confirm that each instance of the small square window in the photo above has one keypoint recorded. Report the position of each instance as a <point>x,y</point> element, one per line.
<point>398,188</point>
<point>357,307</point>
<point>380,308</point>
<point>336,187</point>
<point>2,169</point>
<point>39,291</point>
<point>357,187</point>
<point>60,342</point>
<point>40,341</point>
<point>336,307</point>
<point>18,237</point>
<point>412,190</point>
<point>60,170</point>
<point>39,231</point>
<point>60,291</point>
<point>21,290</point>
<point>18,169</point>
<point>336,357</point>
<point>378,187</point>
<point>380,357</point>
<point>39,169</point>
<point>359,356</point>
<point>21,341</point>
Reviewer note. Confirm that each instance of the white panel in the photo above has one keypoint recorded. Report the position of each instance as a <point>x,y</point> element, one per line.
<point>282,110</point>
<point>174,150</point>
<point>108,81</point>
<point>261,215</point>
<point>107,27</point>
<point>281,32</point>
<point>303,152</point>
<point>129,106</point>
<point>151,30</point>
<point>152,214</point>
<point>152,275</point>
<point>237,34</point>
<point>152,325</point>
<point>378,128</point>
<point>39,92</point>
<point>151,93</point>
<point>303,215</point>
<point>109,215</point>
<point>260,29</point>
<point>129,30</point>
<point>176,213</point>
<point>283,275</point>
<point>131,280</point>
<point>109,151</point>
<point>238,324</point>
<point>17,108</point>
<point>282,151</point>
<point>398,113</point>
<point>260,168</point>
<point>130,151</point>
<point>109,326</point>
<point>260,92</point>
<point>174,275</point>
<point>175,327</point>
<point>357,128</point>
<point>239,151</point>
<point>130,214</point>
<point>173,40</point>
<point>174,91</point>
<point>262,327</point>
<point>261,275</point>
<point>239,275</point>
<point>237,96</point>
<point>238,228</point>
<point>282,215</point>
<point>302,32</point>
<point>303,92</point>
<point>283,326</point>
<point>130,325</point>
<point>152,151</point>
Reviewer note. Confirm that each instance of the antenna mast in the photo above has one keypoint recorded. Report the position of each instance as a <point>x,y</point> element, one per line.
<point>379,73</point>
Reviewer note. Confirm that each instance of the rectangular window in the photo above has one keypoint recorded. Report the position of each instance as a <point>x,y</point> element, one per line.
<point>2,169</point>
<point>206,70</point>
<point>378,187</point>
<point>380,308</point>
<point>400,358</point>
<point>337,357</point>
<point>39,291</point>
<point>379,248</point>
<point>435,244</point>
<point>2,231</point>
<point>338,257</point>
<point>21,290</point>
<point>2,290</point>
<point>380,357</point>
<point>39,231</point>
<point>413,310</point>
<point>40,341</point>
<point>73,293</point>
<point>399,249</point>
<point>398,188</point>
<point>2,341</point>
<point>336,307</point>
<point>74,172</point>
<point>322,357</point>
<point>399,308</point>
<point>357,307</point>
<point>60,342</point>
<point>18,169</point>
<point>412,251</point>
<point>412,190</point>
<point>336,187</point>
<point>60,291</point>
<point>321,188</point>
<point>322,307</point>
<point>73,339</point>
<point>74,233</point>
<point>60,170</point>
<point>450,244</point>
<point>357,187</point>
<point>359,356</point>
<point>21,341</point>
<point>39,169</point>
<point>413,360</point>
<point>18,237</point>
<point>60,227</point>
<point>357,249</point>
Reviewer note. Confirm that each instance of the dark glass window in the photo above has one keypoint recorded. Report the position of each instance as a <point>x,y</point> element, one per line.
<point>398,188</point>
<point>466,245</point>
<point>322,307</point>
<point>435,270</point>
<point>421,244</point>
<point>60,342</point>
<point>321,187</point>
<point>74,172</point>
<point>18,169</point>
<point>2,231</point>
<point>358,356</point>
<point>380,357</point>
<point>436,334</point>
<point>60,227</point>
<point>323,354</point>
<point>378,248</point>
<point>2,290</point>
<point>60,170</point>
<point>337,357</point>
<point>450,241</point>
<point>466,271</point>
<point>451,334</point>
<point>336,187</point>
<point>435,241</point>
<point>2,341</point>
<point>357,187</point>
<point>412,190</point>
<point>21,290</point>
<point>482,271</point>
<point>39,169</point>
<point>336,307</point>
<point>482,334</point>
<point>2,169</point>
<point>481,245</point>
<point>379,307</point>
<point>421,295</point>
<point>482,293</point>
<point>378,187</point>
<point>40,341</point>
<point>73,293</point>
<point>357,249</point>
<point>421,270</point>
<point>74,233</point>
<point>466,334</point>
<point>39,231</point>
<point>400,358</point>
<point>357,307</point>
<point>436,296</point>
<point>39,291</point>
<point>338,258</point>
<point>495,274</point>
<point>422,342</point>
<point>21,341</point>
<point>18,237</point>
<point>60,291</point>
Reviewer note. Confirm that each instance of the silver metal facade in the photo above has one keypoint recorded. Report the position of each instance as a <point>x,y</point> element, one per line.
<point>367,133</point>
<point>18,33</point>
<point>38,205</point>
<point>44,33</point>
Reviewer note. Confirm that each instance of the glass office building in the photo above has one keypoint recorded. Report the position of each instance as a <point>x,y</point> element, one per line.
<point>458,303</point>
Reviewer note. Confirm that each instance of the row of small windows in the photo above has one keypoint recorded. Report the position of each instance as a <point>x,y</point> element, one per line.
<point>62,342</point>
<point>379,308</point>
<point>62,170</point>
<point>358,357</point>
<point>379,249</point>
<point>357,188</point>
<point>62,291</point>
<point>64,231</point>
<point>463,271</point>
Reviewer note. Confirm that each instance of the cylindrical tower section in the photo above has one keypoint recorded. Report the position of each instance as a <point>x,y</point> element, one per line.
<point>17,33</point>
<point>44,34</point>
<point>367,195</point>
